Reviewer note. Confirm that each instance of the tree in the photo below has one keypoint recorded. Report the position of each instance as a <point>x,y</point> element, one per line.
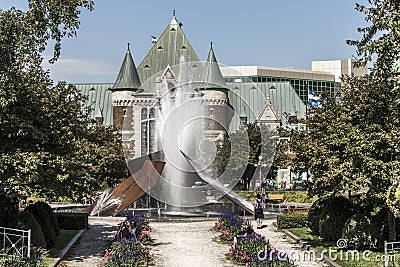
<point>381,37</point>
<point>350,146</point>
<point>48,144</point>
<point>239,153</point>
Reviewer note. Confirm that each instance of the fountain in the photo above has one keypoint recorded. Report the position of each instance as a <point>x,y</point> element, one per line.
<point>185,153</point>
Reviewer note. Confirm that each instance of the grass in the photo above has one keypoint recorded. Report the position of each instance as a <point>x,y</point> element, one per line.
<point>62,240</point>
<point>375,258</point>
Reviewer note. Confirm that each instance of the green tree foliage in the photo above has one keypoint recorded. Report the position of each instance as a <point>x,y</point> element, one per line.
<point>239,152</point>
<point>48,145</point>
<point>351,145</point>
<point>381,35</point>
<point>8,208</point>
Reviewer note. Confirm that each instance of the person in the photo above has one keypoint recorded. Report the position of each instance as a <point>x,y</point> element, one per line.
<point>259,210</point>
<point>266,198</point>
<point>271,184</point>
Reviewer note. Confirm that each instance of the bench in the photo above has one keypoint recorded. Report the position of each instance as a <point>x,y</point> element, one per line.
<point>275,198</point>
<point>295,210</point>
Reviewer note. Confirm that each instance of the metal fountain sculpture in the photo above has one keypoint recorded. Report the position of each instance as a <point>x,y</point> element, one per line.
<point>169,173</point>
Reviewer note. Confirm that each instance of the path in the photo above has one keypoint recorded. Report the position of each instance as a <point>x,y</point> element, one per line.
<point>282,243</point>
<point>175,244</point>
<point>187,244</point>
<point>89,251</point>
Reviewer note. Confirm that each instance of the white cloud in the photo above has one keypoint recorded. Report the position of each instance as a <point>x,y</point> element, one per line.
<point>81,70</point>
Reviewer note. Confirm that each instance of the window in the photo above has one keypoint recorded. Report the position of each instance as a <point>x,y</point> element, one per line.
<point>148,130</point>
<point>125,111</point>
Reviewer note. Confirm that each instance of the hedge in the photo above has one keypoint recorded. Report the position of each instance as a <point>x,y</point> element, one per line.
<point>314,214</point>
<point>50,212</point>
<point>292,220</point>
<point>72,221</point>
<point>43,218</point>
<point>25,220</point>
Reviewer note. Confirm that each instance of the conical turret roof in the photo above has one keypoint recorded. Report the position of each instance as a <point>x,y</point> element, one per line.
<point>212,77</point>
<point>128,78</point>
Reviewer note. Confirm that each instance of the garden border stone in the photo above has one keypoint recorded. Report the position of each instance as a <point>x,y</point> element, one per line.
<point>306,246</point>
<point>67,248</point>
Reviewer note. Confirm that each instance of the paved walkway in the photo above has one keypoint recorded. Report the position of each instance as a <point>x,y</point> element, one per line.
<point>89,250</point>
<point>282,243</point>
<point>187,244</point>
<point>176,244</point>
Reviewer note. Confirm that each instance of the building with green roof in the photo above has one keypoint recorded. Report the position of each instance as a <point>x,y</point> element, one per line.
<point>255,93</point>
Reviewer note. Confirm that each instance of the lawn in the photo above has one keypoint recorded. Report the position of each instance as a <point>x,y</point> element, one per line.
<point>342,257</point>
<point>288,196</point>
<point>62,240</point>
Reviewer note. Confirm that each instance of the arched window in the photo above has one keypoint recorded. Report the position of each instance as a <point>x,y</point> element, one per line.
<point>148,130</point>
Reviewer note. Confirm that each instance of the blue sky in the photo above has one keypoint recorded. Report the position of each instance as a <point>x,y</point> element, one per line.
<point>276,33</point>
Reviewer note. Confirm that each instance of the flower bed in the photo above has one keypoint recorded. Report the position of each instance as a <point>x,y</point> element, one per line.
<point>128,247</point>
<point>249,248</point>
<point>229,226</point>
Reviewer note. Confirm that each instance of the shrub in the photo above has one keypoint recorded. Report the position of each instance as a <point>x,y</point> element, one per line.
<point>25,220</point>
<point>72,221</point>
<point>333,217</point>
<point>366,232</point>
<point>314,214</point>
<point>52,217</point>
<point>8,209</point>
<point>357,232</point>
<point>292,220</point>
<point>44,221</point>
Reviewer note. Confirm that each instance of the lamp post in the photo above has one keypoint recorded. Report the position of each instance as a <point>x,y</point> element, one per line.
<point>260,165</point>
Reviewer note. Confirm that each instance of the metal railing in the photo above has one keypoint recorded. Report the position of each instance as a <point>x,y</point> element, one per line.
<point>392,253</point>
<point>15,243</point>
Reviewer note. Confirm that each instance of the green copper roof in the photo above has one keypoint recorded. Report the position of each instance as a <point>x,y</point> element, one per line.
<point>99,101</point>
<point>212,77</point>
<point>251,98</point>
<point>166,51</point>
<point>128,78</point>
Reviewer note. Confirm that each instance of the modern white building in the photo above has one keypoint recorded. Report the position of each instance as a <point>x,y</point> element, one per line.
<point>339,67</point>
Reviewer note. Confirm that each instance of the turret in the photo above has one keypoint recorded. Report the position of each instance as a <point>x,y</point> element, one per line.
<point>125,86</point>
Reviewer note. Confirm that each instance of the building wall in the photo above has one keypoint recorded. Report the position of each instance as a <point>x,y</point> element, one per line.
<point>300,80</point>
<point>339,67</point>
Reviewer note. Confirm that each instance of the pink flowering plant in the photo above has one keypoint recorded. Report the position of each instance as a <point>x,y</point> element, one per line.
<point>229,225</point>
<point>254,250</point>
<point>126,253</point>
<point>145,237</point>
<point>128,247</point>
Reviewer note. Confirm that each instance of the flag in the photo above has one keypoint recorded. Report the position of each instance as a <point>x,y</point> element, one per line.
<point>153,39</point>
<point>313,99</point>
